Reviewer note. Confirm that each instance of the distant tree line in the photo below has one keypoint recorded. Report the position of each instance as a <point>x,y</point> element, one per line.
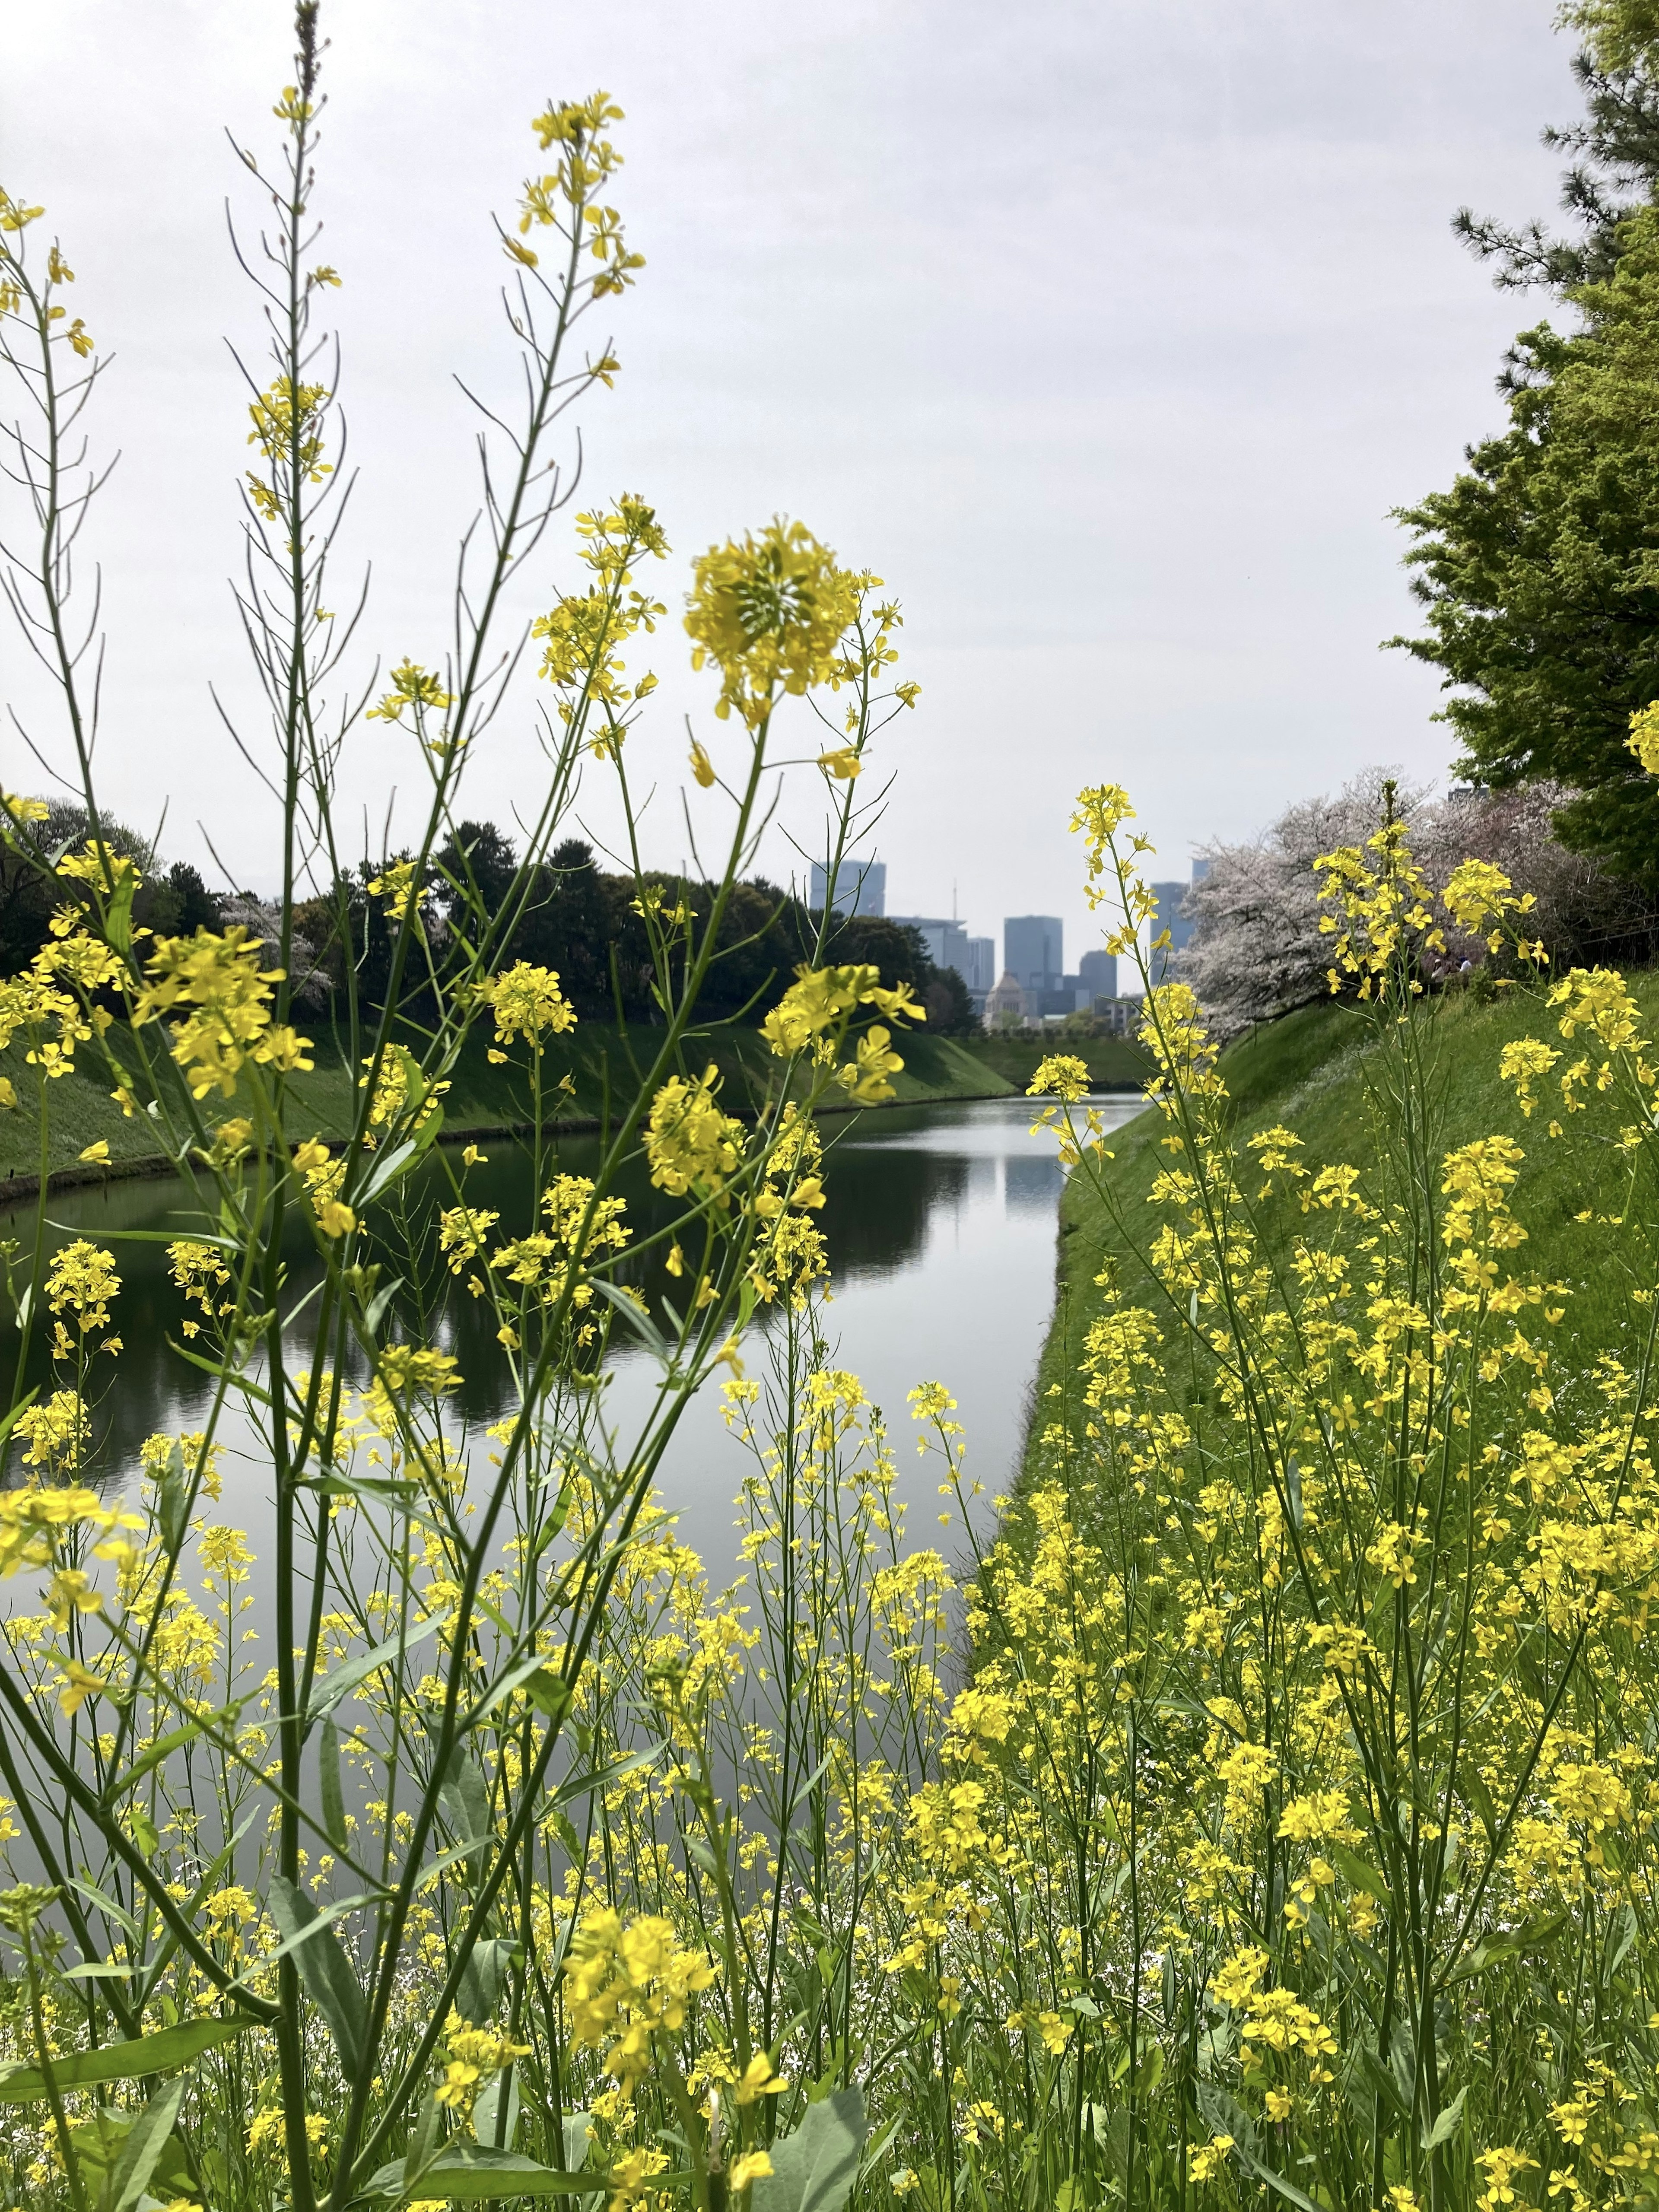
<point>577,919</point>
<point>173,901</point>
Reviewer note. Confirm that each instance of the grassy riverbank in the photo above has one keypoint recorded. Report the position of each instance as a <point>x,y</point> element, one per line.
<point>1114,1063</point>
<point>603,1062</point>
<point>1309,1071</point>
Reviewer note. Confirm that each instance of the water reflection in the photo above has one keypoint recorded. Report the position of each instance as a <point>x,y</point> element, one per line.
<point>940,1226</point>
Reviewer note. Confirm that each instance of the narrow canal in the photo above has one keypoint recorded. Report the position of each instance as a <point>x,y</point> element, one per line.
<point>941,1223</point>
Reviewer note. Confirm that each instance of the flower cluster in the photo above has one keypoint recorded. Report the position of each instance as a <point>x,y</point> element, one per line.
<point>624,1984</point>
<point>691,1143</point>
<point>527,1002</point>
<point>223,996</point>
<point>769,611</point>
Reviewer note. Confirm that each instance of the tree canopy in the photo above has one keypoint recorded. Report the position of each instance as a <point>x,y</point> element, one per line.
<point>1614,150</point>
<point>1538,567</point>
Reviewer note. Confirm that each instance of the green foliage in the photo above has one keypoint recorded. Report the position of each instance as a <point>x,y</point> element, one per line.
<point>1539,569</point>
<point>1615,150</point>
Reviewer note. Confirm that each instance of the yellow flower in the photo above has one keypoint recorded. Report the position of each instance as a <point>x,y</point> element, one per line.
<point>1063,1073</point>
<point>216,981</point>
<point>412,686</point>
<point>753,2166</point>
<point>630,2178</point>
<point>1209,2158</point>
<point>526,1001</point>
<point>843,762</point>
<point>75,1685</point>
<point>1643,738</point>
<point>287,425</point>
<point>396,884</point>
<point>1502,2166</point>
<point>702,767</point>
<point>687,1139</point>
<point>769,613</point>
<point>624,1984</point>
<point>758,2080</point>
<point>97,1155</point>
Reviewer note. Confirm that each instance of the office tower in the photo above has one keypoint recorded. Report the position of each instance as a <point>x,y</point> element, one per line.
<point>980,973</point>
<point>1172,915</point>
<point>1098,973</point>
<point>1031,950</point>
<point>946,941</point>
<point>860,887</point>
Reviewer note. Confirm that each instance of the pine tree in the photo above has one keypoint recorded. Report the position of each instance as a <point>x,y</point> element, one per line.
<point>1615,170</point>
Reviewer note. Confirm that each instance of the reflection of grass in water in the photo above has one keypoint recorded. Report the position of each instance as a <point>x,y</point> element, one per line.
<point>879,1199</point>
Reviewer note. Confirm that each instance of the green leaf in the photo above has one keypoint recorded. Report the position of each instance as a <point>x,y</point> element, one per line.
<point>357,1671</point>
<point>173,1501</point>
<point>1358,1872</point>
<point>1224,2116</point>
<point>324,1968</point>
<point>487,2110</point>
<point>122,2061</point>
<point>465,1796</point>
<point>1531,1936</point>
<point>479,1990</point>
<point>145,2140</point>
<point>106,1905</point>
<point>1447,2122</point>
<point>231,1379</point>
<point>328,1778</point>
<point>814,2169</point>
<point>472,2172</point>
<point>548,1693</point>
<point>117,912</point>
<point>385,1171</point>
<point>165,1746</point>
<point>1382,2080</point>
<point>545,1690</point>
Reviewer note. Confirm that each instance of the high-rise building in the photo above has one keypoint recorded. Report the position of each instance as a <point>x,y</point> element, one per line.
<point>946,941</point>
<point>860,887</point>
<point>1031,950</point>
<point>1098,973</point>
<point>1172,914</point>
<point>980,973</point>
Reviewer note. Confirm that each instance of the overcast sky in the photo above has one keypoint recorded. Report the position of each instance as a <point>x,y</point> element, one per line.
<point>1108,333</point>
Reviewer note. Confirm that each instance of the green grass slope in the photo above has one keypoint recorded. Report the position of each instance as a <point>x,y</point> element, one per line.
<point>604,1063</point>
<point>1114,1063</point>
<point>1310,1072</point>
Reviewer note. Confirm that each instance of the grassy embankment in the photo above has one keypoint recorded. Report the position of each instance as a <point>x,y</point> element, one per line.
<point>603,1062</point>
<point>1309,1071</point>
<point>1114,1063</point>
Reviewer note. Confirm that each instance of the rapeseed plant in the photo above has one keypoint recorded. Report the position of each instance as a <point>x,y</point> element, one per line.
<point>1266,1803</point>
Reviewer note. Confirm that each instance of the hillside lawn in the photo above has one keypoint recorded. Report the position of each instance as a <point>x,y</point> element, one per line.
<point>1309,1071</point>
<point>604,1064</point>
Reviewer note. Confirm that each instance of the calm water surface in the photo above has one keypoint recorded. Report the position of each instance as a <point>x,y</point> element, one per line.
<point>940,1223</point>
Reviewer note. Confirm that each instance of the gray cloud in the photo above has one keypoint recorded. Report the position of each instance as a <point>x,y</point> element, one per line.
<point>1108,334</point>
